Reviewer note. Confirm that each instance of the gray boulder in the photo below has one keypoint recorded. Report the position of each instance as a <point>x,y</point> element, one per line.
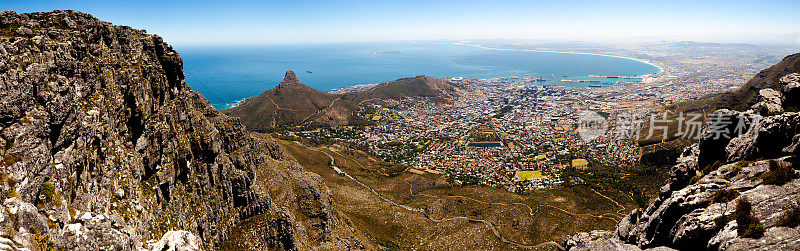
<point>773,134</point>
<point>177,241</point>
<point>685,215</point>
<point>790,86</point>
<point>92,231</point>
<point>769,102</point>
<point>597,240</point>
<point>686,168</point>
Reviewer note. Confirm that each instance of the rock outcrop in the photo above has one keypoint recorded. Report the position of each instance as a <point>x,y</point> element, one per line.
<point>743,158</point>
<point>103,146</point>
<point>790,86</point>
<point>769,102</point>
<point>177,241</point>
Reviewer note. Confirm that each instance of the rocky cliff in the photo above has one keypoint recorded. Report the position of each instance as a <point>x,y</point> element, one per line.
<point>104,146</point>
<point>734,192</point>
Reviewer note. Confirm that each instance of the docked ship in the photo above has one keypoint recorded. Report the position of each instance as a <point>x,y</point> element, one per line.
<point>610,76</point>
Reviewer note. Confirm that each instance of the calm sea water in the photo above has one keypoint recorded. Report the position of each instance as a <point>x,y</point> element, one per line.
<point>225,75</point>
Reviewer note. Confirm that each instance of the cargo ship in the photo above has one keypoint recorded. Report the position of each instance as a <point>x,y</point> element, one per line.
<point>610,76</point>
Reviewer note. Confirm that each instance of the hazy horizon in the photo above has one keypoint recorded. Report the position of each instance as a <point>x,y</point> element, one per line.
<point>282,22</point>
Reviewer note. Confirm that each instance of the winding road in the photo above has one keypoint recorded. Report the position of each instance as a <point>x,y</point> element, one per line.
<point>428,216</point>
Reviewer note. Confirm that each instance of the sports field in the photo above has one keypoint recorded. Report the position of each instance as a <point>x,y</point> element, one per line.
<point>528,175</point>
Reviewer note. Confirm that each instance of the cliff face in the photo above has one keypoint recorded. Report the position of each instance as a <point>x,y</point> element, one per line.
<point>104,145</point>
<point>739,192</point>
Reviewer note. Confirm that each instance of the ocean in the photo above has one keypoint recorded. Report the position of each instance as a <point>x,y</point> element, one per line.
<point>225,75</point>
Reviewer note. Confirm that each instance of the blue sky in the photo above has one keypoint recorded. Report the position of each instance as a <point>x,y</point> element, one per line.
<point>291,21</point>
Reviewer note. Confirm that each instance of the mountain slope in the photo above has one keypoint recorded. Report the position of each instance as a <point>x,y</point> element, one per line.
<point>419,86</point>
<point>747,95</point>
<point>294,103</point>
<point>739,192</point>
<point>290,103</point>
<point>740,99</point>
<point>105,146</point>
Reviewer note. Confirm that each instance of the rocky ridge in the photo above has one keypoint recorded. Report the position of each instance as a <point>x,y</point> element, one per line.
<point>753,170</point>
<point>104,146</point>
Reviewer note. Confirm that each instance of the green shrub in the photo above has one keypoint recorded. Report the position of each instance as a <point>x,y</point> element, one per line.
<point>743,163</point>
<point>9,160</point>
<point>748,225</point>
<point>778,174</point>
<point>44,243</point>
<point>695,179</point>
<point>12,194</point>
<point>713,166</point>
<point>754,231</point>
<point>743,208</point>
<point>9,31</point>
<point>725,195</point>
<point>790,217</point>
<point>722,221</point>
<point>737,168</point>
<point>12,181</point>
<point>48,190</point>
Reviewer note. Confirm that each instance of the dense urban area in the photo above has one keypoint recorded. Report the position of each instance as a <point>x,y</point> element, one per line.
<point>521,132</point>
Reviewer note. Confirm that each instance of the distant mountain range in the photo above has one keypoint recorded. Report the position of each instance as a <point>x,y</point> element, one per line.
<point>294,103</point>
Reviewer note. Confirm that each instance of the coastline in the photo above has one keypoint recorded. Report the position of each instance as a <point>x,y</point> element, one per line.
<point>660,69</point>
<point>230,105</point>
<point>356,87</point>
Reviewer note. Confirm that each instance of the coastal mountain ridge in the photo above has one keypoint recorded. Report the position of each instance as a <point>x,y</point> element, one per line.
<point>419,87</point>
<point>766,82</point>
<point>293,103</point>
<point>290,102</point>
<point>748,95</point>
